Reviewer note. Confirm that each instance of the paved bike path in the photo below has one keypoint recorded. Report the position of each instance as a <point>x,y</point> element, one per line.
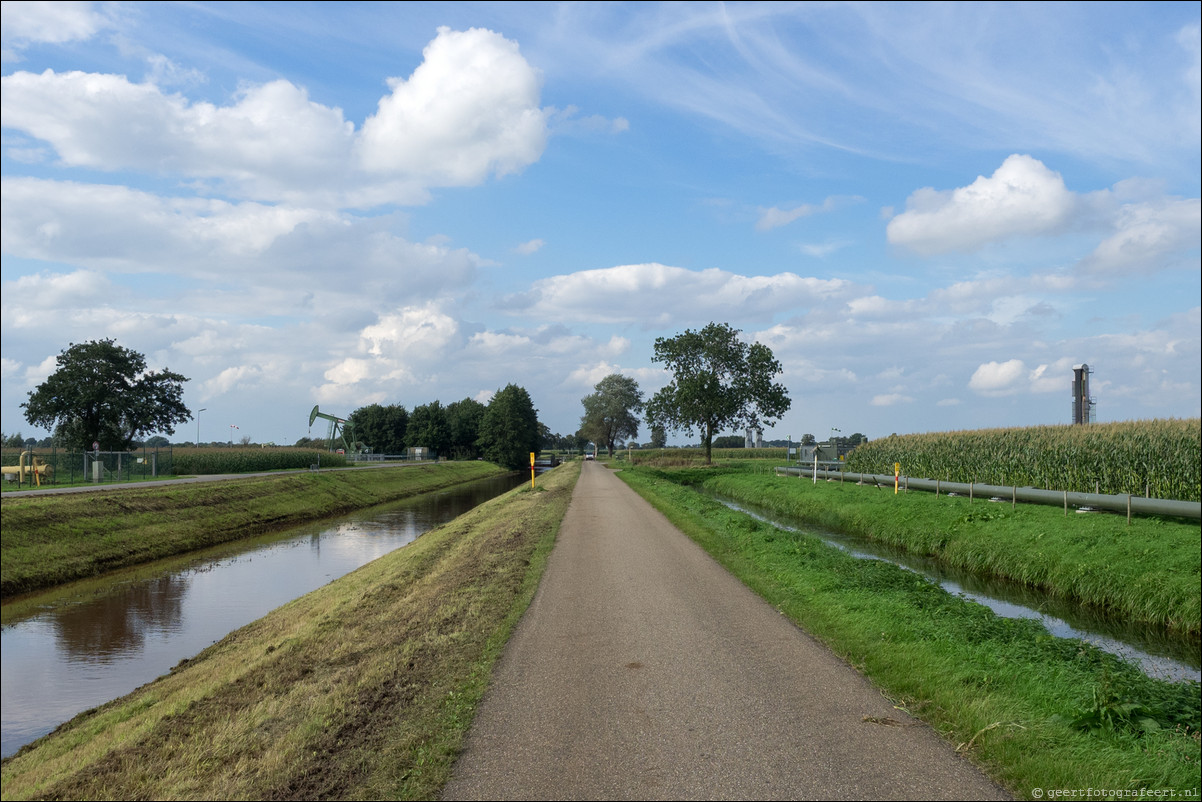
<point>643,670</point>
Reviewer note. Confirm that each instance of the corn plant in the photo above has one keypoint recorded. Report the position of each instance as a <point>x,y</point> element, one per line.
<point>1159,458</point>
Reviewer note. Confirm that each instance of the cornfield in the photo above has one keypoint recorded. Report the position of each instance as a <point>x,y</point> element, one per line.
<point>247,460</point>
<point>1159,458</point>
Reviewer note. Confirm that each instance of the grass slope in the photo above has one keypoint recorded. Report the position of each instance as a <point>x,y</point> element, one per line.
<point>1148,572</point>
<point>49,540</point>
<point>363,689</point>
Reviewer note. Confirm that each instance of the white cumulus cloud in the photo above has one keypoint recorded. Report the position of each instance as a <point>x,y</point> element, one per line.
<point>1022,198</point>
<point>654,293</point>
<point>998,377</point>
<point>51,22</point>
<point>1146,236</point>
<point>469,111</point>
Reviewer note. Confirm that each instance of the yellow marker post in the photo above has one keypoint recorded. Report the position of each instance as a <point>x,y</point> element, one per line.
<point>531,470</point>
<point>896,476</point>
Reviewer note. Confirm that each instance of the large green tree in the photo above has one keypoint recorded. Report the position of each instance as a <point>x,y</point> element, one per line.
<point>719,382</point>
<point>509,429</point>
<point>611,411</point>
<point>429,427</point>
<point>465,417</point>
<point>103,393</point>
<point>381,427</point>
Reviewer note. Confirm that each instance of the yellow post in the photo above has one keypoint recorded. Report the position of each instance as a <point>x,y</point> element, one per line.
<point>531,470</point>
<point>896,476</point>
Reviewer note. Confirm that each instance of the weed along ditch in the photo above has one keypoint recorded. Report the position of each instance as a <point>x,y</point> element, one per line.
<point>1131,590</point>
<point>77,646</point>
<point>1161,653</point>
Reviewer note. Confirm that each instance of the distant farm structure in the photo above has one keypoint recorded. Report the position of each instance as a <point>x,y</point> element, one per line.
<point>1084,406</point>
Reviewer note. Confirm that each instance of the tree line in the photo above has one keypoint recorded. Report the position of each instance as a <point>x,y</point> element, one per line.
<point>504,431</point>
<point>719,382</point>
<point>102,393</point>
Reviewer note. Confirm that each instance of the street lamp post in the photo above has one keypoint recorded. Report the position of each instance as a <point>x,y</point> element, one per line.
<point>198,425</point>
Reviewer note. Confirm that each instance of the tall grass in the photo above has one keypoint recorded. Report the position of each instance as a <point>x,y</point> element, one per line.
<point>1162,458</point>
<point>204,461</point>
<point>1146,571</point>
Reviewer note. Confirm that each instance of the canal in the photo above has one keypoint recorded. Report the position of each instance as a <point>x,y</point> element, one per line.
<point>73,648</point>
<point>1160,653</point>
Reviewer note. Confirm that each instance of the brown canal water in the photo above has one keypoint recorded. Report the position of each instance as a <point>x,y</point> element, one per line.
<point>1160,653</point>
<point>73,648</point>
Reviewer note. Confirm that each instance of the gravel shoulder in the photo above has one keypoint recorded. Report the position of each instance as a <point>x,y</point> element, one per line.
<point>643,670</point>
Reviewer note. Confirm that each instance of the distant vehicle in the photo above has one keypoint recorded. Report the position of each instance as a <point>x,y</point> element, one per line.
<point>589,456</point>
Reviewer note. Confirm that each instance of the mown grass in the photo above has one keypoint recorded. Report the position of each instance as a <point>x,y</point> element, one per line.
<point>49,540</point>
<point>1149,571</point>
<point>1035,711</point>
<point>363,689</point>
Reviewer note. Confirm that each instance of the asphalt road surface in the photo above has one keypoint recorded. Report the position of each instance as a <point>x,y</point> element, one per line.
<point>643,670</point>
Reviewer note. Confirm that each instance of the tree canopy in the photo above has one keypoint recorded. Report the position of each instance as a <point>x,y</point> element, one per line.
<point>465,418</point>
<point>610,413</point>
<point>719,382</point>
<point>429,427</point>
<point>381,427</point>
<point>103,393</point>
<point>509,429</point>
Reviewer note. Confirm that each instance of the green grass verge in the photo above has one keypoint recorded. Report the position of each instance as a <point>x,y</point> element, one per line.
<point>50,540</point>
<point>1149,571</point>
<point>363,689</point>
<point>1036,712</point>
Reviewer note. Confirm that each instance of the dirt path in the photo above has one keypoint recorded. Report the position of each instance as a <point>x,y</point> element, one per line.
<point>643,670</point>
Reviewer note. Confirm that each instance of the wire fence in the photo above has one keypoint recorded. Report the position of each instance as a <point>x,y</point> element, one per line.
<point>38,467</point>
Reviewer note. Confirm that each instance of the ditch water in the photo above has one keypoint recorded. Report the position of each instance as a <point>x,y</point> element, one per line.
<point>1159,652</point>
<point>72,648</point>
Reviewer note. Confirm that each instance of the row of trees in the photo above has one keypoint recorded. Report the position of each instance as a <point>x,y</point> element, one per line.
<point>719,382</point>
<point>103,393</point>
<point>505,431</point>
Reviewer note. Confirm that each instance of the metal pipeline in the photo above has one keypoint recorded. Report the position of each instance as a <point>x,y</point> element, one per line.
<point>1136,505</point>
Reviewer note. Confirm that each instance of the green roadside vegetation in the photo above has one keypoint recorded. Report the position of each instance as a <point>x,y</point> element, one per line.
<point>52,539</point>
<point>364,688</point>
<point>1035,711</point>
<point>1147,572</point>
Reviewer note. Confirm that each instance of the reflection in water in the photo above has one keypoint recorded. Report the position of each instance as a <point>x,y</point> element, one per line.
<point>114,625</point>
<point>66,653</point>
<point>1159,652</point>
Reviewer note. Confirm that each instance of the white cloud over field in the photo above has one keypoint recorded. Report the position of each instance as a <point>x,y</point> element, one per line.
<point>468,112</point>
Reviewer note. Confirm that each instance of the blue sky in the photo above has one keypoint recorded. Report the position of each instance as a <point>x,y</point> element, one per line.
<point>930,213</point>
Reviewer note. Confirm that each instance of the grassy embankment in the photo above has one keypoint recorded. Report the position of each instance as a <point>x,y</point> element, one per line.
<point>1035,711</point>
<point>364,688</point>
<point>1148,572</point>
<point>49,540</point>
